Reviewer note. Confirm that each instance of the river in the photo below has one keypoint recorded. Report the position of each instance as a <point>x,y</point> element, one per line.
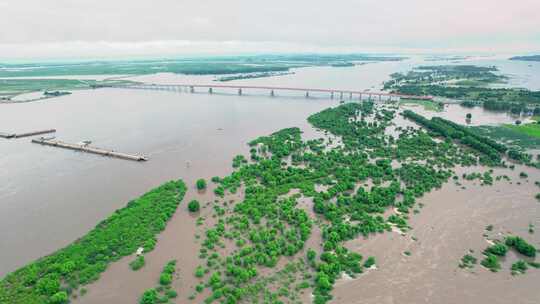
<point>50,197</point>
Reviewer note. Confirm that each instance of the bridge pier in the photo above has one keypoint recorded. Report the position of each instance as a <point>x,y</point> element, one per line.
<point>350,95</point>
<point>331,95</point>
<point>240,92</point>
<point>272,94</point>
<point>307,94</point>
<point>210,91</point>
<point>340,95</point>
<point>191,89</point>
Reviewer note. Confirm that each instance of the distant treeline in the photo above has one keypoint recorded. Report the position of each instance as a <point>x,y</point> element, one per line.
<point>492,96</point>
<point>468,137</point>
<point>526,58</point>
<point>191,66</point>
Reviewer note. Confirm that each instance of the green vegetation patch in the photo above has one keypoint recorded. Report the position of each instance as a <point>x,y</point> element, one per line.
<point>510,136</point>
<point>467,83</point>
<point>80,263</point>
<point>269,223</point>
<point>428,105</point>
<point>12,87</point>
<point>468,261</point>
<point>521,246</point>
<point>531,129</point>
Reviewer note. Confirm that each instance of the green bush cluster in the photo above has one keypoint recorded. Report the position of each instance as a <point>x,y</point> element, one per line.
<point>521,246</point>
<point>268,223</point>
<point>194,206</point>
<point>138,263</point>
<point>201,184</point>
<point>164,292</point>
<point>56,276</point>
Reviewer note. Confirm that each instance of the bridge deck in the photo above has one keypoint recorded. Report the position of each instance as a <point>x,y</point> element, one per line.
<point>277,88</point>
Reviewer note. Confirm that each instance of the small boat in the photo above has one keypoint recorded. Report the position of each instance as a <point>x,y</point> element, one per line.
<point>84,143</point>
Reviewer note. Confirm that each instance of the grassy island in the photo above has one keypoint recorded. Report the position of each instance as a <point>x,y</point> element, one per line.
<point>52,279</point>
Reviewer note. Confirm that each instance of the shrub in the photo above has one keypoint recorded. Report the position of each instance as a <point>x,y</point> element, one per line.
<point>521,246</point>
<point>60,297</point>
<point>311,254</point>
<point>171,294</point>
<point>194,206</point>
<point>138,263</point>
<point>491,262</point>
<point>199,272</point>
<point>150,296</point>
<point>369,262</point>
<point>467,261</point>
<point>199,287</point>
<point>497,249</point>
<point>519,267</point>
<point>165,279</point>
<point>201,184</point>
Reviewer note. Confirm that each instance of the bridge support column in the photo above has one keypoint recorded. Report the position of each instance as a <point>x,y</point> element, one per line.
<point>331,95</point>
<point>340,95</point>
<point>210,91</point>
<point>239,92</point>
<point>191,89</point>
<point>272,93</point>
<point>307,94</point>
<point>350,95</point>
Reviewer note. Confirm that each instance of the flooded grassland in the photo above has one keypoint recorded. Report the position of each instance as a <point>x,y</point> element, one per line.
<point>445,225</point>
<point>196,135</point>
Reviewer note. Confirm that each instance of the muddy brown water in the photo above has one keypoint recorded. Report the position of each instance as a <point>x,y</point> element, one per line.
<point>452,221</point>
<point>49,197</point>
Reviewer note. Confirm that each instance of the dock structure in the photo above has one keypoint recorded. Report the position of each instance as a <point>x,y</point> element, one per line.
<point>86,148</point>
<point>7,135</point>
<point>34,133</point>
<point>27,134</point>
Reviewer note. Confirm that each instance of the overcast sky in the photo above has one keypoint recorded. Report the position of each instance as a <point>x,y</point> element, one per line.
<point>122,28</point>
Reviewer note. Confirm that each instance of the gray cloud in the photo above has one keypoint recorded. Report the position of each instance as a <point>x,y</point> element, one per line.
<point>33,28</point>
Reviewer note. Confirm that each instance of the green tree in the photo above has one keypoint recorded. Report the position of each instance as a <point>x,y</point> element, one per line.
<point>201,184</point>
<point>165,279</point>
<point>194,206</point>
<point>150,296</point>
<point>60,297</point>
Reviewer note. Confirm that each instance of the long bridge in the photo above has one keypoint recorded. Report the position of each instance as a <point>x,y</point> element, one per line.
<point>240,89</point>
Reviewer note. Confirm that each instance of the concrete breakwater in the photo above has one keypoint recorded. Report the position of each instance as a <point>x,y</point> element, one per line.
<point>86,148</point>
<point>26,134</point>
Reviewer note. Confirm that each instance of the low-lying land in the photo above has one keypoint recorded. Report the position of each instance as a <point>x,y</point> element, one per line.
<point>526,58</point>
<point>468,84</point>
<point>279,227</point>
<point>251,76</point>
<point>10,88</point>
<point>428,105</point>
<point>60,276</point>
<point>189,66</point>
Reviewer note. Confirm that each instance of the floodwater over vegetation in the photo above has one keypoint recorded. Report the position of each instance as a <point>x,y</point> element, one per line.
<point>240,245</point>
